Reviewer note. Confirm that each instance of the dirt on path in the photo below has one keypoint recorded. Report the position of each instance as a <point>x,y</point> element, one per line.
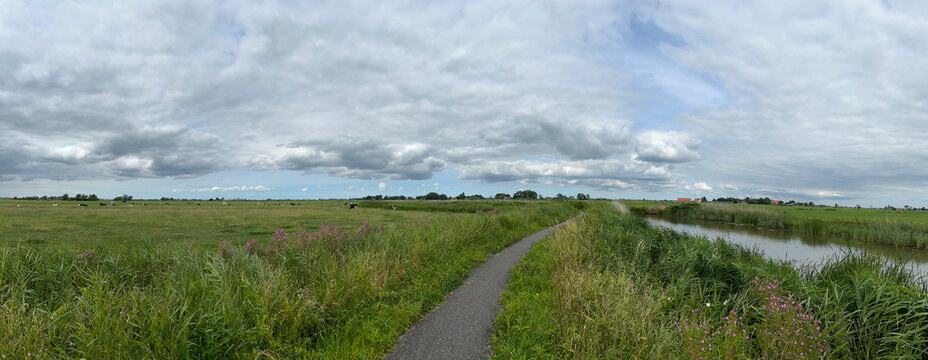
<point>461,327</point>
<point>620,206</point>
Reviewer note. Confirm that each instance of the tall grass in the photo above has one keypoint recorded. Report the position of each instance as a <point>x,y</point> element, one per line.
<point>333,293</point>
<point>631,287</point>
<point>881,231</point>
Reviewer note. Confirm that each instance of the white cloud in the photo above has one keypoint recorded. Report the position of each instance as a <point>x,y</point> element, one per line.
<point>382,186</point>
<point>171,94</point>
<point>234,188</point>
<point>598,173</point>
<point>832,98</point>
<point>786,94</point>
<point>702,186</point>
<point>304,189</point>
<point>666,146</point>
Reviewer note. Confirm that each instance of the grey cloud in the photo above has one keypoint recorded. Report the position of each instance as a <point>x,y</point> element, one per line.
<point>575,140</point>
<point>363,159</point>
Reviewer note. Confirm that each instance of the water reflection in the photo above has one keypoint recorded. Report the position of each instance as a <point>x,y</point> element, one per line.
<point>787,246</point>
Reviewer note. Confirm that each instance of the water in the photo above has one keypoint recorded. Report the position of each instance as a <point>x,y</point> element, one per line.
<point>799,249</point>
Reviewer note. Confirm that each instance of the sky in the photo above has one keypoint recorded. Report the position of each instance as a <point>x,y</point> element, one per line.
<point>813,101</point>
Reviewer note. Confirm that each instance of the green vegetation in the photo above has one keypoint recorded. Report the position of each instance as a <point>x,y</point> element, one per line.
<point>179,224</point>
<point>326,292</point>
<point>610,286</point>
<point>898,228</point>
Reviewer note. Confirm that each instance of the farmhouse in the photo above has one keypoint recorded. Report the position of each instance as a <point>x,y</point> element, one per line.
<point>684,200</point>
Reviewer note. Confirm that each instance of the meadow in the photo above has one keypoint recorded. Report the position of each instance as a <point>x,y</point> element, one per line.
<point>177,224</point>
<point>888,227</point>
<point>239,281</point>
<point>610,286</point>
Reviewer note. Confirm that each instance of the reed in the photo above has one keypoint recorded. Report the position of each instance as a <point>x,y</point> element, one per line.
<point>613,287</point>
<point>870,229</point>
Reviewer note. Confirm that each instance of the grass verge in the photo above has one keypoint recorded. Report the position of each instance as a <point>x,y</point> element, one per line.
<point>610,286</point>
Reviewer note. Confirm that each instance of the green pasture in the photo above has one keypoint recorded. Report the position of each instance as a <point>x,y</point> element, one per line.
<point>179,223</point>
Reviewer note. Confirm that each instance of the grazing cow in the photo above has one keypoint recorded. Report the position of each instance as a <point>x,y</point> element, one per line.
<point>394,206</point>
<point>14,205</point>
<point>54,204</point>
<point>131,205</point>
<point>292,204</point>
<point>102,204</point>
<point>81,204</point>
<point>351,206</point>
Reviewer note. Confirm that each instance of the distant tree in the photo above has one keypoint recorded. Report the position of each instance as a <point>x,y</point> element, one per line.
<point>858,206</point>
<point>502,196</point>
<point>65,197</point>
<point>703,199</point>
<point>461,197</point>
<point>93,197</point>
<point>525,194</point>
<point>435,196</point>
<point>836,205</point>
<point>582,196</point>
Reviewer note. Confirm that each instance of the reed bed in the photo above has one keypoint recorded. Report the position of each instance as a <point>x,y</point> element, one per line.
<point>612,287</point>
<point>872,230</point>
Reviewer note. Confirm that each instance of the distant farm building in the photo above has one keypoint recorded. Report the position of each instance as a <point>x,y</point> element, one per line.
<point>684,200</point>
<point>774,202</point>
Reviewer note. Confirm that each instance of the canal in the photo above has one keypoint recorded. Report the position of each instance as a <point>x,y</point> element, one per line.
<point>799,249</point>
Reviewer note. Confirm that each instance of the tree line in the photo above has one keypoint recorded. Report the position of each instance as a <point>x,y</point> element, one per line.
<point>518,195</point>
<point>76,197</point>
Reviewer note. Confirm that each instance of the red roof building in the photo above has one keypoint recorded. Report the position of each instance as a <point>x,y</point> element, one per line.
<point>684,200</point>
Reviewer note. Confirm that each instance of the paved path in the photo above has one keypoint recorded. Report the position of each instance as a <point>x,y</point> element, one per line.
<point>619,205</point>
<point>460,328</point>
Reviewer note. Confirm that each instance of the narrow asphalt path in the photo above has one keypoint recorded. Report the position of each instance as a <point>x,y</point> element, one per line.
<point>620,206</point>
<point>460,328</point>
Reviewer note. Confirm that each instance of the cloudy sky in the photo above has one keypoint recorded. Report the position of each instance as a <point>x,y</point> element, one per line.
<point>822,101</point>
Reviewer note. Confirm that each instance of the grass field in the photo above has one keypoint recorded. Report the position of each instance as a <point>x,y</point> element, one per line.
<point>177,224</point>
<point>897,228</point>
<point>610,286</point>
<point>186,281</point>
